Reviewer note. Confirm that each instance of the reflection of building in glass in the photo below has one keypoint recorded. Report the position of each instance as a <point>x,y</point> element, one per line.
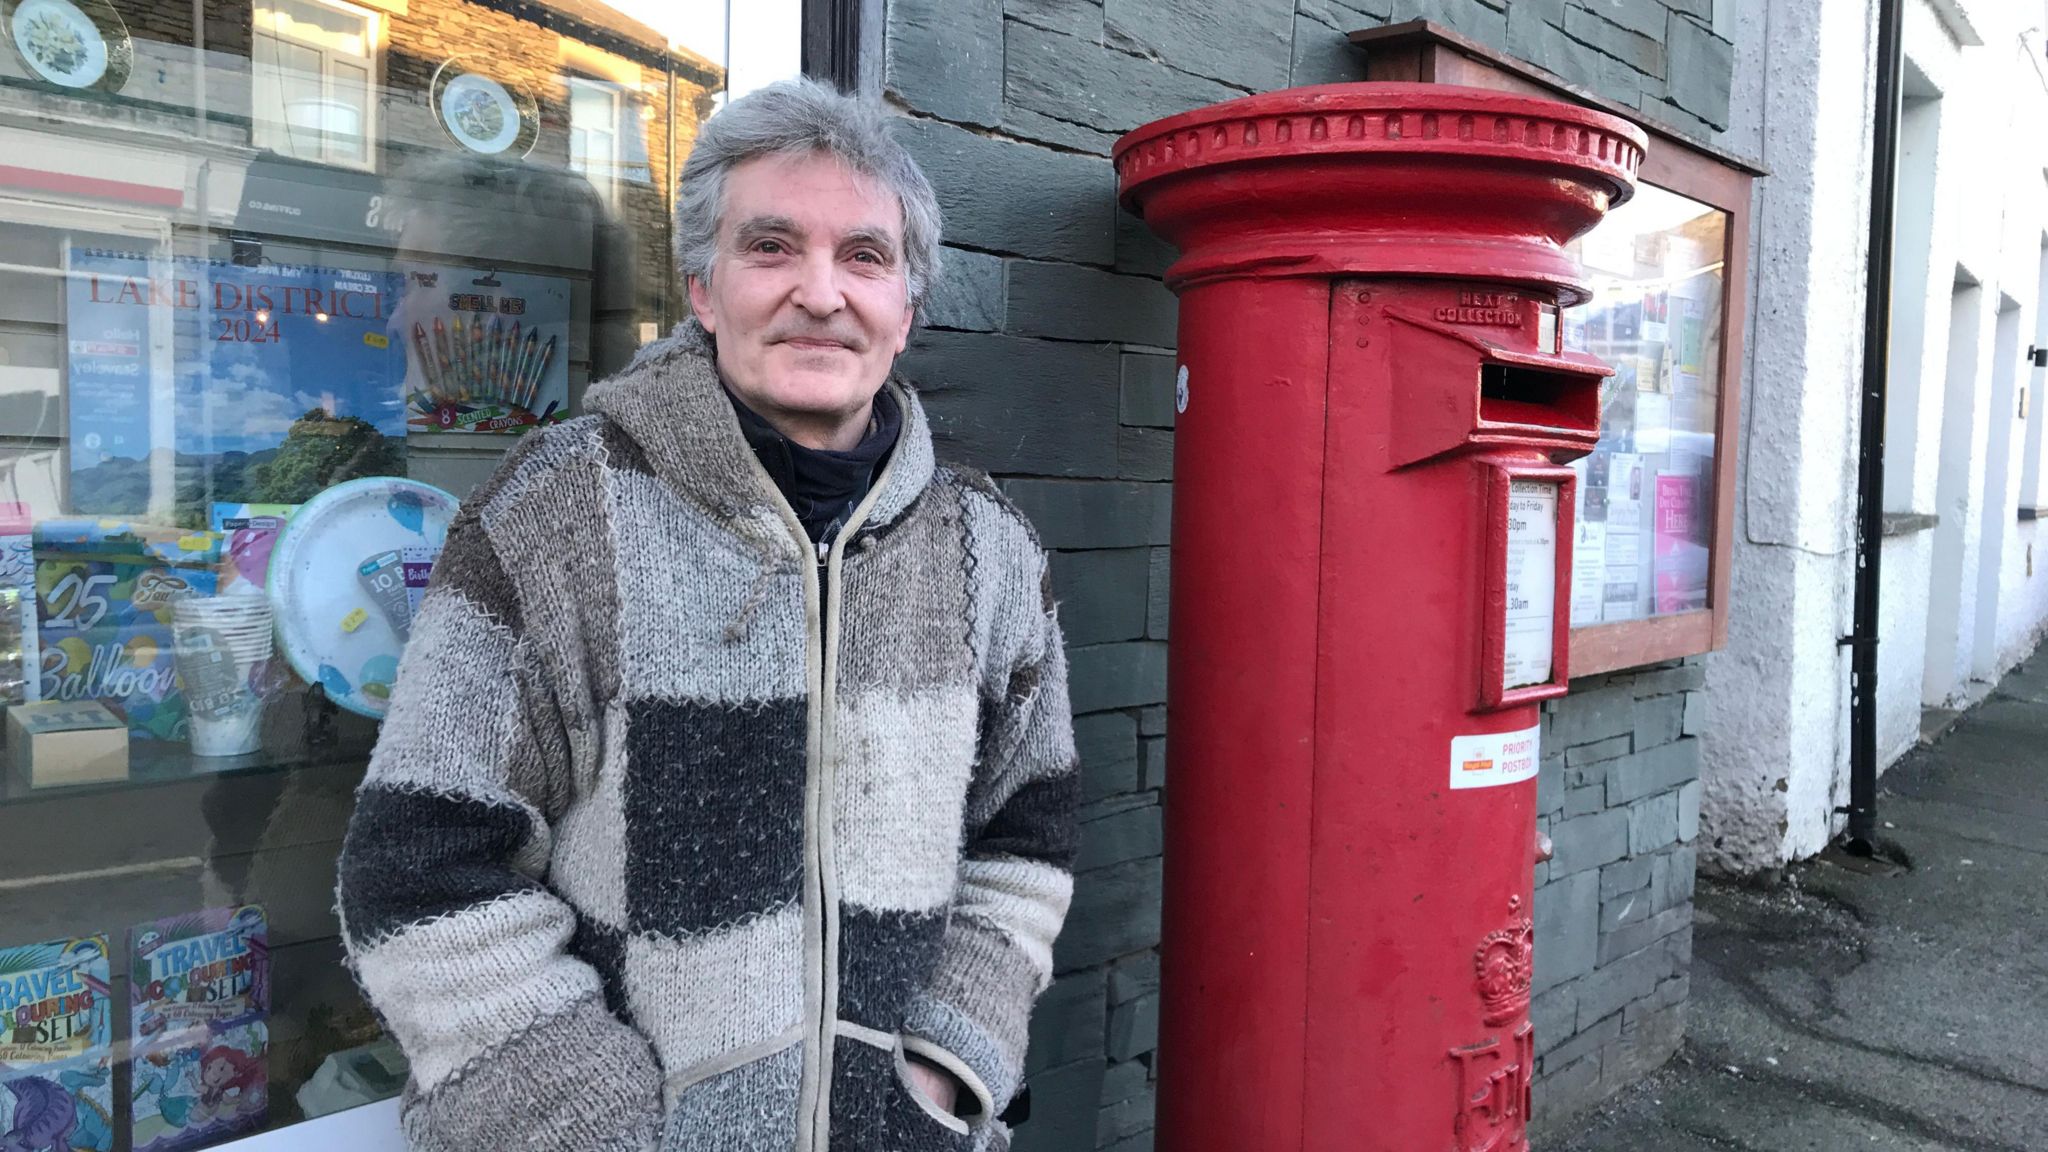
<point>232,183</point>
<point>1656,266</point>
<point>245,257</point>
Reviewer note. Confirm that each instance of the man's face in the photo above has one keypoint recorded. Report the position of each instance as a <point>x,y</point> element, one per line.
<point>808,297</point>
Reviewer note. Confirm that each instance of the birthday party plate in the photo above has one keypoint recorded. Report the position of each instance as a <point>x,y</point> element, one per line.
<point>82,45</point>
<point>347,574</point>
<point>482,114</point>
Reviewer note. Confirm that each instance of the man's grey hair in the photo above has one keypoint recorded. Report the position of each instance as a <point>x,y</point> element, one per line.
<point>795,117</point>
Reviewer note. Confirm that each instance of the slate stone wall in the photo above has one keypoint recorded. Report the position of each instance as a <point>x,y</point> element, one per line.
<point>1619,794</point>
<point>1048,360</point>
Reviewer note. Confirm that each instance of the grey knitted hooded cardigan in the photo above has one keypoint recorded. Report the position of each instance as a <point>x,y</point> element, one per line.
<point>681,836</point>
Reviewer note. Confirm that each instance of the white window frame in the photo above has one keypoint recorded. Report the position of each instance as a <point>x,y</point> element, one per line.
<point>605,178</point>
<point>270,133</point>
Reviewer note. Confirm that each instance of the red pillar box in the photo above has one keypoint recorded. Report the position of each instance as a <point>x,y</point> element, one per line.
<point>1372,527</point>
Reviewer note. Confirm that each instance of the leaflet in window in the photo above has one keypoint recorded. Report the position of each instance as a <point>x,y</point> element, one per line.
<point>284,381</point>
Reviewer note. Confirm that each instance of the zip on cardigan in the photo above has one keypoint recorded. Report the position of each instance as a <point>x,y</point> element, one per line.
<point>822,594</point>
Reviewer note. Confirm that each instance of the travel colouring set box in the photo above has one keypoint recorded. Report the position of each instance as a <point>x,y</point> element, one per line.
<point>200,992</point>
<point>56,1038</point>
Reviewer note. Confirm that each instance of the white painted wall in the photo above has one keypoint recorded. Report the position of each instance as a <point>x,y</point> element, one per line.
<point>2030,397</point>
<point>1902,647</point>
<point>2005,435</point>
<point>1987,609</point>
<point>1906,465</point>
<point>1777,695</point>
<point>1958,440</point>
<point>1960,603</point>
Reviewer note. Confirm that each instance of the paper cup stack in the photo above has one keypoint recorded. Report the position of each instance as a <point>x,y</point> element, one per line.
<point>224,645</point>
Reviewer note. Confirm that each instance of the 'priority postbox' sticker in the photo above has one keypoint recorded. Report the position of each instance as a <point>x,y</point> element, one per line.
<point>1180,391</point>
<point>1491,759</point>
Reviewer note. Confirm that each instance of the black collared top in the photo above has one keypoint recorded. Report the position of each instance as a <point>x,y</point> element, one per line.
<point>824,487</point>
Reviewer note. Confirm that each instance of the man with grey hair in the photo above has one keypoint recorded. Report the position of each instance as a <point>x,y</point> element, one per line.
<point>726,798</point>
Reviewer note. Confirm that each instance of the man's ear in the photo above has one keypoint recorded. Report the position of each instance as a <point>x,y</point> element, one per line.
<point>700,304</point>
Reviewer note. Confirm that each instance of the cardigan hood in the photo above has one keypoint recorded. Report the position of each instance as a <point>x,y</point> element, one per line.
<point>672,404</point>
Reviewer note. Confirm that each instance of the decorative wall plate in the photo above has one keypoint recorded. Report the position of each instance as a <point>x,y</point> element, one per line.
<point>75,44</point>
<point>482,114</point>
<point>346,575</point>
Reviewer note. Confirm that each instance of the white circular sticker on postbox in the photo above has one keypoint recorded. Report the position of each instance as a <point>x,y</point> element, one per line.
<point>1180,391</point>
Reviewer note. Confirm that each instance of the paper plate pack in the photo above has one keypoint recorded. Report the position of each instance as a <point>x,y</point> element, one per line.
<point>346,574</point>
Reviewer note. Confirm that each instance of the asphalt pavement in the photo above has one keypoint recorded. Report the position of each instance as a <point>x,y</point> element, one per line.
<point>1847,1004</point>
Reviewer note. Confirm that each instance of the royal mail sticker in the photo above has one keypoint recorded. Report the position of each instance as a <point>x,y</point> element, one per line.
<point>1495,758</point>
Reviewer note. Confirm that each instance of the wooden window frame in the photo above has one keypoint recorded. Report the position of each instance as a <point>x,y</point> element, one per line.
<point>1424,52</point>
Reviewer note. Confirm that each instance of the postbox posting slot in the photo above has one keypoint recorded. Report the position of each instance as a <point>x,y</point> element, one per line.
<point>1514,394</point>
<point>1454,388</point>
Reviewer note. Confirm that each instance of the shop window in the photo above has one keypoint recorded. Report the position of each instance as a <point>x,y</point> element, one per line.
<point>314,66</point>
<point>1658,270</point>
<point>270,278</point>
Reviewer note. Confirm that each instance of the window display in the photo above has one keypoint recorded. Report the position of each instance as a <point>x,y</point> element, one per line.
<point>1645,517</point>
<point>281,281</point>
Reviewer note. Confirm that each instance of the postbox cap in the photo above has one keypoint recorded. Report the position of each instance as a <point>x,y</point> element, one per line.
<point>1391,179</point>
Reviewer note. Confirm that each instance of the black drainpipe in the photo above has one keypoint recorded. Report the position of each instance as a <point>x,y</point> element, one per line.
<point>1877,325</point>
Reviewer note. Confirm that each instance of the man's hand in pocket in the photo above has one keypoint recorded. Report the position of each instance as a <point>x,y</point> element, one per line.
<point>935,1084</point>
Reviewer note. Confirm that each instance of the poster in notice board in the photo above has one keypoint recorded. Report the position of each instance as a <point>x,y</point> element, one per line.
<point>1679,563</point>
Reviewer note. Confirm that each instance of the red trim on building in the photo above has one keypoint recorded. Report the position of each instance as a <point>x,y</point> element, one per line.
<point>41,180</point>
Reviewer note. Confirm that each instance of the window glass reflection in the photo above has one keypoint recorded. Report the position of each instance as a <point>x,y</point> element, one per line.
<point>1645,515</point>
<point>280,283</point>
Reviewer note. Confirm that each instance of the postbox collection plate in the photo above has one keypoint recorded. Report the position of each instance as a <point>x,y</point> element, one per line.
<point>1526,635</point>
<point>1528,631</point>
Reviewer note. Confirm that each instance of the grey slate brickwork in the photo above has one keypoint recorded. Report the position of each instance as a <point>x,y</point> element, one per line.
<point>1048,360</point>
<point>1619,796</point>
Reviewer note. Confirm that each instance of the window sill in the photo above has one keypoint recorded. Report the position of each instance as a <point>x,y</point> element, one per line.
<point>1909,523</point>
<point>370,1128</point>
